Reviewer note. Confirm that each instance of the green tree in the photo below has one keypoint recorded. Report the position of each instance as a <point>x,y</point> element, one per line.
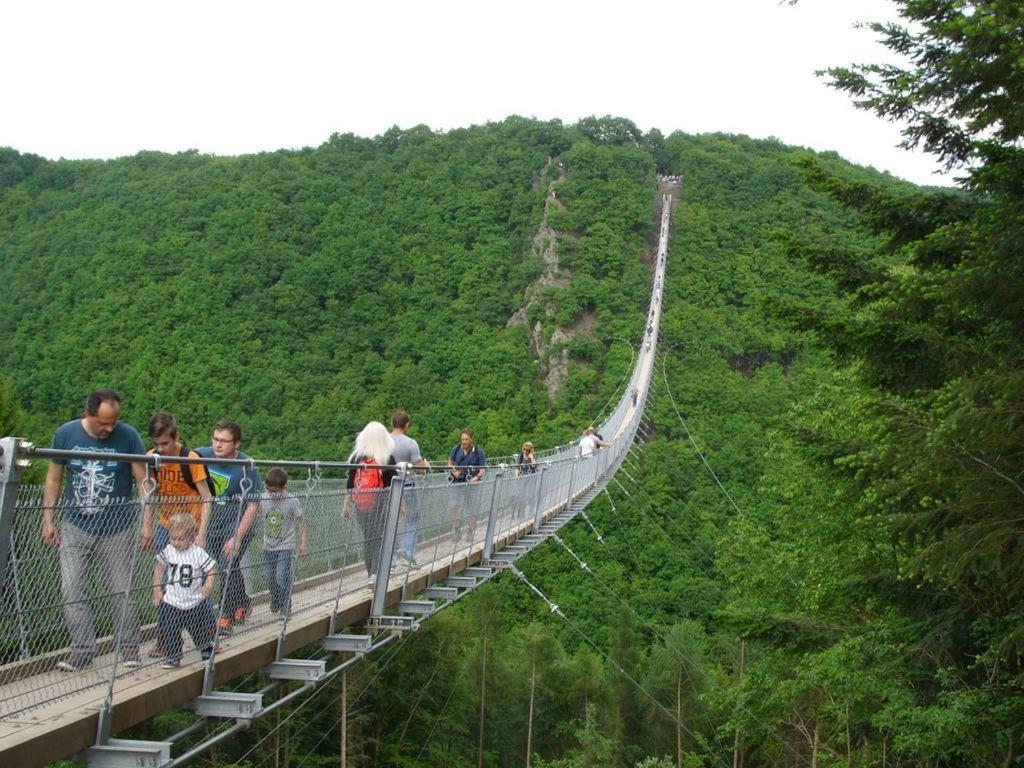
<point>676,675</point>
<point>542,652</point>
<point>931,321</point>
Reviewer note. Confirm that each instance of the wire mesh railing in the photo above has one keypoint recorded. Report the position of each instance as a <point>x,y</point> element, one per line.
<point>94,609</point>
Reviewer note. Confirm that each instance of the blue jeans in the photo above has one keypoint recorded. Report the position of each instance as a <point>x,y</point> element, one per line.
<point>277,573</point>
<point>161,538</point>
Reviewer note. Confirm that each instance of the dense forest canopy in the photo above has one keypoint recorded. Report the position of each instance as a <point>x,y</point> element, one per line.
<point>305,293</point>
<point>840,348</point>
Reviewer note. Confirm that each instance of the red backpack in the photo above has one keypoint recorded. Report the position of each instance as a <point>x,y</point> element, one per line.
<point>367,484</point>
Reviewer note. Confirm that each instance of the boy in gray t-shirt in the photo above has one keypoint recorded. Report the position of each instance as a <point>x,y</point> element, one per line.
<point>282,516</point>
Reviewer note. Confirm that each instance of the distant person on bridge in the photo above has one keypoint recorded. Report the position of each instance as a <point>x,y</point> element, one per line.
<point>524,464</point>
<point>526,460</point>
<point>407,450</point>
<point>368,485</point>
<point>590,442</point>
<point>282,520</point>
<point>182,584</point>
<point>231,519</point>
<point>98,516</point>
<point>466,469</point>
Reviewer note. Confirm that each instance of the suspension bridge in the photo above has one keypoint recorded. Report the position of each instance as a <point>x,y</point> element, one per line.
<point>48,714</point>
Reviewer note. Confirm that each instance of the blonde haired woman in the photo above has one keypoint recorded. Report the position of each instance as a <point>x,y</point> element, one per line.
<point>369,483</point>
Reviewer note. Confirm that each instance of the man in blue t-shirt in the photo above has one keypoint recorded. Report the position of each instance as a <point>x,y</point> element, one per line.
<point>466,468</point>
<point>98,516</point>
<point>231,519</point>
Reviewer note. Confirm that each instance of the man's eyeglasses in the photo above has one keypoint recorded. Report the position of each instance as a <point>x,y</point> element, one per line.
<point>223,440</point>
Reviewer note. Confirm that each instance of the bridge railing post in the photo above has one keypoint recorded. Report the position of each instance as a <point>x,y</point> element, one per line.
<point>515,490</point>
<point>11,467</point>
<point>124,615</point>
<point>492,518</point>
<point>538,509</point>
<point>572,477</point>
<point>10,479</point>
<point>387,543</point>
<point>227,584</point>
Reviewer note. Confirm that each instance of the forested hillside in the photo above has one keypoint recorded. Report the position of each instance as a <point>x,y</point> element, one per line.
<point>814,557</point>
<point>305,293</point>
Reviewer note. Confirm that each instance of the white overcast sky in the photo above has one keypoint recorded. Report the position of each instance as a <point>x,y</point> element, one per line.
<point>105,79</point>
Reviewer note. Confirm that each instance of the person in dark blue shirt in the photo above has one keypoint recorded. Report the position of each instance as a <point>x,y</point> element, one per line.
<point>98,517</point>
<point>466,468</point>
<point>231,518</point>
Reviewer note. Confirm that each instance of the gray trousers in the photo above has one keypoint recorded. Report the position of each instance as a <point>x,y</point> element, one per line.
<point>114,555</point>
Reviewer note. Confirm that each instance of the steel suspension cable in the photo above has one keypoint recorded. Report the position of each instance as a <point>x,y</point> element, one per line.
<point>646,622</point>
<point>703,571</point>
<point>307,700</point>
<point>486,623</point>
<point>700,453</point>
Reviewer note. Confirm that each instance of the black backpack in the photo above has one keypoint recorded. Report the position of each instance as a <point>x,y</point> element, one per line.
<point>186,473</point>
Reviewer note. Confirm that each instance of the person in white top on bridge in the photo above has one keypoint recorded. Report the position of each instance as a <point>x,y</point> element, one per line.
<point>590,442</point>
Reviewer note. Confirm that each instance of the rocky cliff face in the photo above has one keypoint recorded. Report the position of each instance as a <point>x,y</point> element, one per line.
<point>550,352</point>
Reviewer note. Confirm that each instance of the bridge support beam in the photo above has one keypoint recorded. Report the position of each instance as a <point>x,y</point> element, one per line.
<point>128,753</point>
<point>232,705</point>
<point>357,644</point>
<point>303,670</point>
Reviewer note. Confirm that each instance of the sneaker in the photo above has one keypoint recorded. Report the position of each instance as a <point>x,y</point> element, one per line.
<point>206,654</point>
<point>75,663</point>
<point>240,613</point>
<point>131,660</point>
<point>170,663</point>
<point>224,625</point>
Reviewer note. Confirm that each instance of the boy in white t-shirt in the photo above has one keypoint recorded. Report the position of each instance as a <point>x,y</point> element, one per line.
<point>183,602</point>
